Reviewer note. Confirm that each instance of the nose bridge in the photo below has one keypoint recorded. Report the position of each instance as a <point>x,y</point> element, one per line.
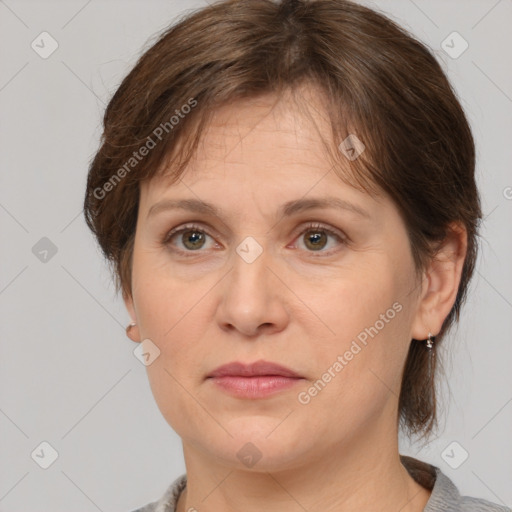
<point>250,293</point>
<point>250,270</point>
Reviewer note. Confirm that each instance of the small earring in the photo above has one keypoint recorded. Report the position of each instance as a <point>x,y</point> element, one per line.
<point>430,341</point>
<point>431,357</point>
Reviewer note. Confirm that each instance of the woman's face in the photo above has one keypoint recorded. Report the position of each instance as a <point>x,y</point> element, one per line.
<point>335,303</point>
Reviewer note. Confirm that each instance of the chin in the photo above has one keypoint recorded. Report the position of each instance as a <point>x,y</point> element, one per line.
<point>258,446</point>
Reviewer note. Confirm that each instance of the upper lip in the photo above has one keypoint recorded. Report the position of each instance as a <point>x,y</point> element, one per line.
<point>252,369</point>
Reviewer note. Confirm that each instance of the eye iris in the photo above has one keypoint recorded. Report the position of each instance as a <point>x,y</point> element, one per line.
<point>195,236</point>
<point>318,236</point>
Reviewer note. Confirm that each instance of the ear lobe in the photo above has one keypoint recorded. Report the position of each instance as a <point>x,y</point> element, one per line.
<point>132,331</point>
<point>441,283</point>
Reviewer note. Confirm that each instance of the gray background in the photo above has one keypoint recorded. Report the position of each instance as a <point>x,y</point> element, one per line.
<point>68,375</point>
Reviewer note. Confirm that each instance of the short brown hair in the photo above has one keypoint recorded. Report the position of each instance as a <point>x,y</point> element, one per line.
<point>378,82</point>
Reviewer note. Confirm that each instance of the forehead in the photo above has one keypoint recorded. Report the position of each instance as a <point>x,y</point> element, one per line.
<point>267,133</point>
<point>273,148</point>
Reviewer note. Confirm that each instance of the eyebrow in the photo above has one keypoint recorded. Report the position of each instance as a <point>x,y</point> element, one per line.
<point>287,209</point>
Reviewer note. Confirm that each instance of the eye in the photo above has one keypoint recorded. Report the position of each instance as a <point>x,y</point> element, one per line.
<point>316,237</point>
<point>192,237</point>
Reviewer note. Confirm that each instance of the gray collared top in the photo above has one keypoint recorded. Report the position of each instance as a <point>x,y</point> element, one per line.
<point>445,496</point>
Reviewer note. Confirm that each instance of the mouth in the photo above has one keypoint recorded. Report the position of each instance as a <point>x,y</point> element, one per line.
<point>256,380</point>
<point>257,369</point>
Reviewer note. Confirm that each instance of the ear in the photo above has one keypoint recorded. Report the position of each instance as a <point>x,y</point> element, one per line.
<point>440,283</point>
<point>133,333</point>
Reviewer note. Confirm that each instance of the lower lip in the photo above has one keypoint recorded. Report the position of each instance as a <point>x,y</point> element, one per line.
<point>255,387</point>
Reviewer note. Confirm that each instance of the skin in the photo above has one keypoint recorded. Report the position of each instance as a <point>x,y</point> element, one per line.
<point>296,305</point>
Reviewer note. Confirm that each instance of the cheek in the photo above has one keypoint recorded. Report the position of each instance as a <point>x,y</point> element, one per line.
<point>358,376</point>
<point>167,311</point>
<point>359,359</point>
<point>172,318</point>
<point>355,301</point>
<point>163,303</point>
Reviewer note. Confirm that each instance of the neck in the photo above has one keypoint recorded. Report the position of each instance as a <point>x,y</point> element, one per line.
<point>355,477</point>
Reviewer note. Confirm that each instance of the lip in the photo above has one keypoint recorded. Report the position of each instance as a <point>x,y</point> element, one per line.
<point>258,368</point>
<point>260,379</point>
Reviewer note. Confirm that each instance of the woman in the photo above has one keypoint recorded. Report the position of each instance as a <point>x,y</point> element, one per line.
<point>286,193</point>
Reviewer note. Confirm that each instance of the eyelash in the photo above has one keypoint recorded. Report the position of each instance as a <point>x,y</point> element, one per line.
<point>343,239</point>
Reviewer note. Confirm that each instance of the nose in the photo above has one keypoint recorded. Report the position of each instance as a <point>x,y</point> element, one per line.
<point>254,297</point>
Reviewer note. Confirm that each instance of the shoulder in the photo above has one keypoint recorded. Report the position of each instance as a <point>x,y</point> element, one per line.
<point>167,503</point>
<point>445,496</point>
<point>449,494</point>
<point>469,504</point>
<point>150,507</point>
